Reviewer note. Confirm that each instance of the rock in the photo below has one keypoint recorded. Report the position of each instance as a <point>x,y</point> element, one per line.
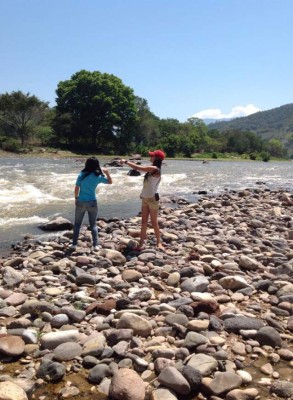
<point>233,282</point>
<point>142,294</point>
<point>15,262</point>
<point>16,299</point>
<point>198,325</point>
<point>242,394</point>
<point>11,277</point>
<point>59,320</point>
<point>203,363</point>
<point>106,307</point>
<point>57,224</point>
<point>51,371</point>
<point>53,339</point>
<point>36,307</point>
<point>248,263</point>
<point>67,351</point>
<point>197,284</point>
<point>194,339</point>
<point>269,336</point>
<point>206,306</point>
<point>223,382</point>
<point>114,256</point>
<point>173,379</point>
<point>193,377</point>
<point>284,389</point>
<point>98,373</point>
<point>116,335</point>
<point>180,319</point>
<point>86,279</point>
<point>94,346</point>
<point>73,314</point>
<point>127,384</point>
<point>11,345</point>
<point>69,392</point>
<point>217,300</point>
<point>244,375</point>
<point>139,325</point>
<point>235,324</point>
<point>131,275</point>
<point>173,279</point>
<point>286,354</point>
<point>161,363</point>
<point>11,391</point>
<point>163,394</point>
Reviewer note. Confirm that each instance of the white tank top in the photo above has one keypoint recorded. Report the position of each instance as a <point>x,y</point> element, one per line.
<point>150,186</point>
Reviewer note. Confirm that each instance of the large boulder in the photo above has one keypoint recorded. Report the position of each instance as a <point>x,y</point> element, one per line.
<point>127,384</point>
<point>57,224</point>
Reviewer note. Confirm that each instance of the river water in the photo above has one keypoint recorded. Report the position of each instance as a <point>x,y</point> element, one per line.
<point>34,190</point>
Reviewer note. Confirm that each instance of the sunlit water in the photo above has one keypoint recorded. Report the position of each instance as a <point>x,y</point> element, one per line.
<point>34,190</point>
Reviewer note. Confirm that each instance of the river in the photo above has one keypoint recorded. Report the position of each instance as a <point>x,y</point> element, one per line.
<point>34,190</point>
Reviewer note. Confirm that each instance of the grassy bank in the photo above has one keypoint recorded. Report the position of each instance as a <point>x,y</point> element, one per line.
<point>54,153</point>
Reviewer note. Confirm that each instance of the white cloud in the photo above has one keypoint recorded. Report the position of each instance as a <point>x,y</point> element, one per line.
<point>238,111</point>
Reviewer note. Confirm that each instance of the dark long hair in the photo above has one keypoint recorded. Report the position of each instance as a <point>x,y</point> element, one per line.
<point>92,166</point>
<point>156,163</point>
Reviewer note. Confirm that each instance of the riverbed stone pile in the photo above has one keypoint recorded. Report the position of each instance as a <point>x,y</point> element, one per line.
<point>208,317</point>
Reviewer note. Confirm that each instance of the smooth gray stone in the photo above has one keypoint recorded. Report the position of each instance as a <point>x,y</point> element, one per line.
<point>269,336</point>
<point>234,324</point>
<point>98,373</point>
<point>51,371</point>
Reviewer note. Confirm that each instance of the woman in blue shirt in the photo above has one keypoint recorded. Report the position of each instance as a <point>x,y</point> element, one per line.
<point>85,198</point>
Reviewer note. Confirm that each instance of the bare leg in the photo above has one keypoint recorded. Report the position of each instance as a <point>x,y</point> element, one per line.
<point>155,225</point>
<point>144,224</point>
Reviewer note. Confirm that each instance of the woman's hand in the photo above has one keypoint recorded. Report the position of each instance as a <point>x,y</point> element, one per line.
<point>106,172</point>
<point>122,161</point>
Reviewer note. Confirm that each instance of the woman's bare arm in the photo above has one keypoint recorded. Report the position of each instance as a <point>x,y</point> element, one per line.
<point>76,191</point>
<point>106,172</point>
<point>132,165</point>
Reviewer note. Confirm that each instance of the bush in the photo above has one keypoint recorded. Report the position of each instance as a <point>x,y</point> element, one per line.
<point>12,145</point>
<point>265,156</point>
<point>215,155</point>
<point>45,135</point>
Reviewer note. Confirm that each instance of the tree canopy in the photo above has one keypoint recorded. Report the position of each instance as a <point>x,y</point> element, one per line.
<point>95,110</point>
<point>21,113</point>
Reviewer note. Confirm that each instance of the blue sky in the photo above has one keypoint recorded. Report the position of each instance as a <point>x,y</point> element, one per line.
<point>185,57</point>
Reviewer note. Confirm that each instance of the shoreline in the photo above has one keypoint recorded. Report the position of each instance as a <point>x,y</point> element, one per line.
<point>210,315</point>
<point>63,154</point>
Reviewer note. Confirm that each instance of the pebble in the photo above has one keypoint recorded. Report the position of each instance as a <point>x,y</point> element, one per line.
<point>209,312</point>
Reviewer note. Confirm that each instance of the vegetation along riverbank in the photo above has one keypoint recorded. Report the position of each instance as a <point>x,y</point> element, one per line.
<point>96,112</point>
<point>210,317</point>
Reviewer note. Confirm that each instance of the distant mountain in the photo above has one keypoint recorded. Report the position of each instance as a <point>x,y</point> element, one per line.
<point>212,120</point>
<point>271,124</point>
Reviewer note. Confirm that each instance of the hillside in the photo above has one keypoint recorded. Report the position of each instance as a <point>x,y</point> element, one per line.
<point>276,123</point>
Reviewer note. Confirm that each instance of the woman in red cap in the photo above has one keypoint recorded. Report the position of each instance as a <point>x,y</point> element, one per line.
<point>149,194</point>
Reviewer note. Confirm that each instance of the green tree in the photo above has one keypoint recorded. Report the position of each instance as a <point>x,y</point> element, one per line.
<point>199,132</point>
<point>21,113</point>
<point>275,148</point>
<point>170,144</point>
<point>243,142</point>
<point>95,110</point>
<point>147,132</point>
<point>187,146</point>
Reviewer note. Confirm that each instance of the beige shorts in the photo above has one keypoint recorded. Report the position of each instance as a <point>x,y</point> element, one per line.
<point>150,202</point>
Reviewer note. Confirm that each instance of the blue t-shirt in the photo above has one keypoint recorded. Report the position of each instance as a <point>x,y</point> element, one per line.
<point>88,185</point>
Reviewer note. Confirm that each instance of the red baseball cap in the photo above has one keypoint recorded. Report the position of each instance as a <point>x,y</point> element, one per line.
<point>157,153</point>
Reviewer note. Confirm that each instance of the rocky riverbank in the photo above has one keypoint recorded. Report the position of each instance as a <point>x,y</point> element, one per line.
<point>211,317</point>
